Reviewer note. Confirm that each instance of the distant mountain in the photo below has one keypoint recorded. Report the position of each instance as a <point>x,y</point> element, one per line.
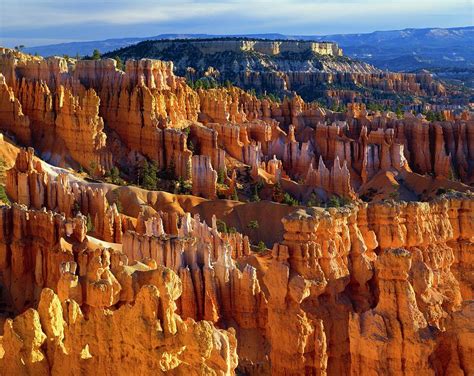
<point>86,48</point>
<point>411,49</point>
<point>434,49</point>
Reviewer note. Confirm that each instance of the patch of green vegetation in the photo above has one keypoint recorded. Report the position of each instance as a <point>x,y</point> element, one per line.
<point>255,195</point>
<point>76,208</point>
<point>289,200</point>
<point>260,247</point>
<point>90,224</point>
<point>113,176</point>
<point>183,187</point>
<point>337,202</point>
<point>221,176</point>
<point>3,195</point>
<point>147,175</point>
<point>222,227</point>
<point>120,65</point>
<point>253,225</point>
<point>313,200</point>
<point>255,189</point>
<point>96,54</point>
<point>434,116</point>
<point>204,83</point>
<point>270,96</point>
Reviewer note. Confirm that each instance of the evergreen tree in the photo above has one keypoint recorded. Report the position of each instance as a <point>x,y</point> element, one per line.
<point>96,54</point>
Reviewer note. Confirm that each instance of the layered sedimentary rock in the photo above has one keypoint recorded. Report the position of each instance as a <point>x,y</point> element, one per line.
<point>29,185</point>
<point>337,180</point>
<point>12,118</point>
<point>282,67</point>
<point>100,279</point>
<point>204,177</point>
<point>415,288</point>
<point>62,116</point>
<point>147,336</point>
<point>144,108</point>
<point>395,319</point>
<point>328,258</point>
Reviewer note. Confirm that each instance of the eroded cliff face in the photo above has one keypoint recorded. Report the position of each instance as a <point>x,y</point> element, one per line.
<point>145,337</point>
<point>97,278</point>
<point>91,114</point>
<point>313,70</point>
<point>367,288</point>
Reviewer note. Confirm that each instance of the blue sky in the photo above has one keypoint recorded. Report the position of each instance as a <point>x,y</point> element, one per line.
<point>35,22</point>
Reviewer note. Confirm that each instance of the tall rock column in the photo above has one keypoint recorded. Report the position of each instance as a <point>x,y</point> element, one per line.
<point>204,177</point>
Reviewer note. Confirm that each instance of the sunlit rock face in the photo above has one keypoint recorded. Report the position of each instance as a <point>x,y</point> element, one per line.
<point>362,264</point>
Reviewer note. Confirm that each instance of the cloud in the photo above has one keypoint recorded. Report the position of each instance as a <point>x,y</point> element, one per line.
<point>70,19</point>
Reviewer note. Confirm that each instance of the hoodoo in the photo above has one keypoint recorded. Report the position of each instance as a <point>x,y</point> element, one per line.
<point>153,221</point>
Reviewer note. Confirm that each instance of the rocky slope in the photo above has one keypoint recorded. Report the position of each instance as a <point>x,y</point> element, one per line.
<point>370,229</point>
<point>405,50</point>
<point>313,70</point>
<point>380,276</point>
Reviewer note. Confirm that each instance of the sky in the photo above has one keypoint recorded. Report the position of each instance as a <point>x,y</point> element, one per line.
<point>38,22</point>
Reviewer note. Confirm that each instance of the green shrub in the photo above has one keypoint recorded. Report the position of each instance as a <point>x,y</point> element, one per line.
<point>90,224</point>
<point>184,187</point>
<point>255,196</point>
<point>261,247</point>
<point>290,200</point>
<point>76,208</point>
<point>313,200</point>
<point>148,175</point>
<point>253,224</point>
<point>337,202</point>
<point>96,54</point>
<point>114,176</point>
<point>120,65</point>
<point>167,173</point>
<point>221,175</point>
<point>334,202</point>
<point>187,131</point>
<point>221,226</point>
<point>3,195</point>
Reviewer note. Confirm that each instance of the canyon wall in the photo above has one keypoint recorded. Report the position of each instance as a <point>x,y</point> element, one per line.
<point>392,277</point>
<point>370,270</point>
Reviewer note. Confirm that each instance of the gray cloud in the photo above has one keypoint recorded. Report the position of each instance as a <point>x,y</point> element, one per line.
<point>81,20</point>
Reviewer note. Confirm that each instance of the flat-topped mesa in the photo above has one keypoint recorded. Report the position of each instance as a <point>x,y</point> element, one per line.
<point>283,67</point>
<point>266,47</point>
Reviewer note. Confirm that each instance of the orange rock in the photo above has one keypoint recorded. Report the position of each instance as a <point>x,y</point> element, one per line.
<point>58,338</point>
<point>204,177</point>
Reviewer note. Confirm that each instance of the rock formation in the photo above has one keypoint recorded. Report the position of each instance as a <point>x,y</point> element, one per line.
<point>372,233</point>
<point>204,177</point>
<point>282,67</point>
